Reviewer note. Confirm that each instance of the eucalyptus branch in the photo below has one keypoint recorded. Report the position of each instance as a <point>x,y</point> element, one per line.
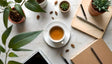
<point>6,56</point>
<point>23,2</point>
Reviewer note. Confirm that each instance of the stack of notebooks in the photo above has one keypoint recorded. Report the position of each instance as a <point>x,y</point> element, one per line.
<point>97,53</point>
<point>100,21</point>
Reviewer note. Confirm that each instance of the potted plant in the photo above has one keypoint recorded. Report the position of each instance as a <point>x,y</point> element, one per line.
<point>98,7</point>
<point>16,43</point>
<point>42,3</point>
<point>64,6</point>
<point>16,14</point>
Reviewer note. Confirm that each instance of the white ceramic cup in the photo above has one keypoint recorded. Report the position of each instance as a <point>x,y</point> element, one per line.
<point>60,41</point>
<point>43,4</point>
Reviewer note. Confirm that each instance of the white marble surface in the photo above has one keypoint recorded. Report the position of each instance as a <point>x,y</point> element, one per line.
<point>78,38</point>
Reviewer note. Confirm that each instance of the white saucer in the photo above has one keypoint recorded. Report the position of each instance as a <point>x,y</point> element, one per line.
<point>46,34</point>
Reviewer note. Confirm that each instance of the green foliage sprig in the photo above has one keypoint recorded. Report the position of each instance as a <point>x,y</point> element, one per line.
<point>30,4</point>
<point>101,5</point>
<point>64,6</point>
<point>16,43</point>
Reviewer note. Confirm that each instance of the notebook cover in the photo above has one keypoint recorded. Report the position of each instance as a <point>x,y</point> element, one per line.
<point>87,56</point>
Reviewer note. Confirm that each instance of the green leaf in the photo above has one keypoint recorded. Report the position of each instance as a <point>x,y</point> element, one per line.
<point>3,3</point>
<point>5,16</point>
<point>14,62</point>
<point>6,34</point>
<point>12,54</point>
<point>18,1</point>
<point>10,2</point>
<point>23,39</point>
<point>19,9</point>
<point>20,49</point>
<point>33,6</point>
<point>2,49</point>
<point>1,62</point>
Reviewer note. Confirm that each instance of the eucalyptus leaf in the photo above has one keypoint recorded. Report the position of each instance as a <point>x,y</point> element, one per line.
<point>5,16</point>
<point>12,54</point>
<point>14,62</point>
<point>18,1</point>
<point>23,39</point>
<point>20,49</point>
<point>33,6</point>
<point>1,62</point>
<point>6,34</point>
<point>2,49</point>
<point>19,9</point>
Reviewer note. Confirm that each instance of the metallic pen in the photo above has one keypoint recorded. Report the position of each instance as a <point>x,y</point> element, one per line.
<point>90,23</point>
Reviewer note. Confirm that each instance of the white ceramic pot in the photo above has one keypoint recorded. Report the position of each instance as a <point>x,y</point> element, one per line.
<point>43,4</point>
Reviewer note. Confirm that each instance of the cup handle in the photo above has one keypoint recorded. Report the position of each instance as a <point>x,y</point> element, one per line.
<point>62,42</point>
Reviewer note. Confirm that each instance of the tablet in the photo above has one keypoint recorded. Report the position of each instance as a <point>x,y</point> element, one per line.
<point>37,58</point>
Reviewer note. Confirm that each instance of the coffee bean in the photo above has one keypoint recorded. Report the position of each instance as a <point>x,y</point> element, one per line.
<point>53,18</point>
<point>38,16</point>
<point>67,50</point>
<point>72,45</point>
<point>56,13</point>
<point>56,2</point>
<point>51,12</point>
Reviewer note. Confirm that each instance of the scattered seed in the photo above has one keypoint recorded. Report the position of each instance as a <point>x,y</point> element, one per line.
<point>38,16</point>
<point>67,50</point>
<point>56,13</point>
<point>56,2</point>
<point>51,12</point>
<point>53,18</point>
<point>72,45</point>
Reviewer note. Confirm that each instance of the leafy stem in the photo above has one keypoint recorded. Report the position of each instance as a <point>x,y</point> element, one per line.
<point>6,56</point>
<point>23,2</point>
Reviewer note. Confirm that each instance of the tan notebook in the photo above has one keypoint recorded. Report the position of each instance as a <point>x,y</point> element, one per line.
<point>101,21</point>
<point>88,57</point>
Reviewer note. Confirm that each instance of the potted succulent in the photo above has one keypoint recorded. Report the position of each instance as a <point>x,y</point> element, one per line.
<point>98,7</point>
<point>16,43</point>
<point>64,6</point>
<point>16,14</point>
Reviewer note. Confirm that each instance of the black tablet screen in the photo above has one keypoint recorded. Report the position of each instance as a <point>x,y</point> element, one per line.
<point>36,59</point>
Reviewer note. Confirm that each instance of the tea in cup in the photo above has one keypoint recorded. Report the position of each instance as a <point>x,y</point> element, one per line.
<point>56,34</point>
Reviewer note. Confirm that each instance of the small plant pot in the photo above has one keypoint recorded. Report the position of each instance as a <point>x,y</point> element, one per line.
<point>42,3</point>
<point>62,9</point>
<point>93,11</point>
<point>19,19</point>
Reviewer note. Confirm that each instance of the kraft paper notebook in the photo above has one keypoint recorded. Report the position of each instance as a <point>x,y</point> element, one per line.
<point>101,21</point>
<point>88,57</point>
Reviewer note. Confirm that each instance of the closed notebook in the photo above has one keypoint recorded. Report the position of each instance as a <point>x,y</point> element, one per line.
<point>88,57</point>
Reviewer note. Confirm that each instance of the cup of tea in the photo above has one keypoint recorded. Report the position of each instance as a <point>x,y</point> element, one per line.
<point>56,34</point>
